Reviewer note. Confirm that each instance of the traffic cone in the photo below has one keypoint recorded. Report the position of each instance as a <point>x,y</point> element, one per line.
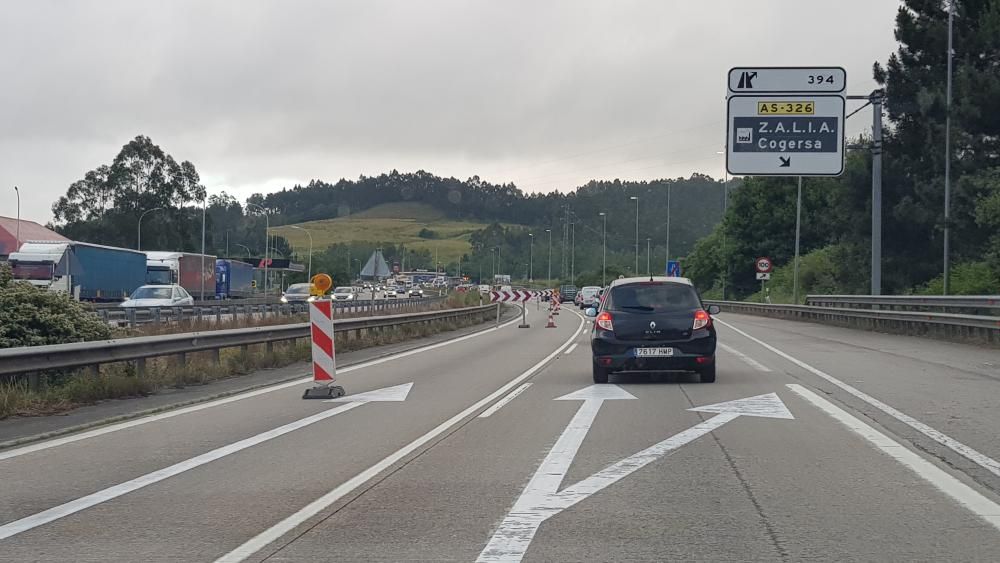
<point>552,321</point>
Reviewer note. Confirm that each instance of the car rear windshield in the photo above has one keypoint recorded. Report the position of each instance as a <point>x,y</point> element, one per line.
<point>652,298</point>
<point>152,293</point>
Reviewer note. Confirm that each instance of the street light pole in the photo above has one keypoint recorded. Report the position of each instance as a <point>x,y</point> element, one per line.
<point>550,253</point>
<point>141,215</point>
<point>648,271</point>
<point>18,228</point>
<point>604,249</point>
<point>306,231</point>
<point>204,211</point>
<point>668,228</point>
<point>636,198</point>
<point>572,255</point>
<point>531,257</point>
<point>947,157</point>
<point>267,230</point>
<point>247,248</point>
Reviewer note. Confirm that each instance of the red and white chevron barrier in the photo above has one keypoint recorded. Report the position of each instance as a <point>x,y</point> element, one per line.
<point>513,296</point>
<point>324,362</point>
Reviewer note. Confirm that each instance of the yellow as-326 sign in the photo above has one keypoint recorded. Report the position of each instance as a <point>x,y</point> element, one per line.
<point>785,108</point>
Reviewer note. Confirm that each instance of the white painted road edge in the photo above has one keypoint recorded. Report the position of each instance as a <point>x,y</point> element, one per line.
<point>570,349</point>
<point>255,544</point>
<point>15,452</point>
<point>943,481</point>
<point>500,404</point>
<point>746,359</point>
<point>984,461</point>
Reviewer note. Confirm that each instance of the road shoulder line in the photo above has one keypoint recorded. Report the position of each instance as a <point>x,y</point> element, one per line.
<point>940,479</point>
<point>500,404</point>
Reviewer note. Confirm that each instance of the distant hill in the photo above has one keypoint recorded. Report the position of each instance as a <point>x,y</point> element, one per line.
<point>418,226</point>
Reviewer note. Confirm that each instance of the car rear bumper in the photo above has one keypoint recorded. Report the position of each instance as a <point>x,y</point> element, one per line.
<point>617,355</point>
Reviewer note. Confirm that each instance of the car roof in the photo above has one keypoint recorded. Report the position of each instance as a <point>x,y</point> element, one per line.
<point>640,279</point>
<point>160,286</point>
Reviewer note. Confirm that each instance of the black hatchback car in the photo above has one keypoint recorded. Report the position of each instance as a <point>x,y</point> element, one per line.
<point>653,324</point>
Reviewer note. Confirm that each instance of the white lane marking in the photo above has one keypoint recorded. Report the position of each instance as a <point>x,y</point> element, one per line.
<point>540,500</point>
<point>83,503</point>
<point>224,401</point>
<point>500,404</point>
<point>943,481</point>
<point>969,453</point>
<point>570,349</point>
<point>746,359</point>
<point>260,541</point>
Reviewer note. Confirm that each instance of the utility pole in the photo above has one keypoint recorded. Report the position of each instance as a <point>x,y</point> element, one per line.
<point>565,243</point>
<point>648,271</point>
<point>572,255</point>
<point>604,250</point>
<point>204,210</point>
<point>798,230</point>
<point>636,199</point>
<point>531,257</point>
<point>668,228</point>
<point>876,99</point>
<point>550,253</point>
<point>947,157</point>
<point>17,237</point>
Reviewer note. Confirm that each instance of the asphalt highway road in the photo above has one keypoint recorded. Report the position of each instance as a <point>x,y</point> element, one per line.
<point>816,443</point>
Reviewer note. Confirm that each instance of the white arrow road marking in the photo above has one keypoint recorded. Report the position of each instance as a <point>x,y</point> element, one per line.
<point>260,541</point>
<point>397,393</point>
<point>943,481</point>
<point>540,500</point>
<point>746,359</point>
<point>984,461</point>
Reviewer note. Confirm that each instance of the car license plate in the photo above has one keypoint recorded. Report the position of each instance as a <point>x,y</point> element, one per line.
<point>654,352</point>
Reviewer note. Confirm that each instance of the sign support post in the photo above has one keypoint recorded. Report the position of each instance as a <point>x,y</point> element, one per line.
<point>798,230</point>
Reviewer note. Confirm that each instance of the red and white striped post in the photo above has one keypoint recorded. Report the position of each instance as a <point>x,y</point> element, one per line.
<point>324,362</point>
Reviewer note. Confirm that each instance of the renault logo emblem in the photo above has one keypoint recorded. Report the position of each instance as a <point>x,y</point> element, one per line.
<point>652,324</point>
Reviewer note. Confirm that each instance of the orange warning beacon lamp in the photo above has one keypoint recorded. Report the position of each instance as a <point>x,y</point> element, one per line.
<point>320,284</point>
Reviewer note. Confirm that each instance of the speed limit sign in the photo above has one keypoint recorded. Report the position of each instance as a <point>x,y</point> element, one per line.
<point>764,265</point>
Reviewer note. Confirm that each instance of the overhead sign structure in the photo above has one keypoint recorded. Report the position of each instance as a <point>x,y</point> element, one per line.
<point>764,265</point>
<point>786,121</point>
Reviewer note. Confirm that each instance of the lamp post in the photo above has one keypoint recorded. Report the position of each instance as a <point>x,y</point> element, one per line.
<point>636,199</point>
<point>18,228</point>
<point>267,229</point>
<point>648,271</point>
<point>572,255</point>
<point>138,243</point>
<point>204,211</point>
<point>550,253</point>
<point>668,227</point>
<point>306,231</point>
<point>604,249</point>
<point>244,247</point>
<point>947,158</point>
<point>531,257</point>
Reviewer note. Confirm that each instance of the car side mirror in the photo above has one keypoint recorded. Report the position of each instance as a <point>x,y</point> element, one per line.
<point>714,310</point>
<point>590,312</point>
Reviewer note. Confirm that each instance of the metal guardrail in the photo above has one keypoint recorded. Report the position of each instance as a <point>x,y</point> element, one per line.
<point>31,359</point>
<point>949,326</point>
<point>132,316</point>
<point>977,304</point>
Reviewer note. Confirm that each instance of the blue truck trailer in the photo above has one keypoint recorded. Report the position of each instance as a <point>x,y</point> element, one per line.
<point>233,279</point>
<point>88,272</point>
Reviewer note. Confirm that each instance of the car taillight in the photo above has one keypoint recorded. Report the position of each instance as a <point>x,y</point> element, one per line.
<point>604,321</point>
<point>701,319</point>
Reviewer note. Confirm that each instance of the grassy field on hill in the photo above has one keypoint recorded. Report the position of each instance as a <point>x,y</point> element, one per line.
<point>399,222</point>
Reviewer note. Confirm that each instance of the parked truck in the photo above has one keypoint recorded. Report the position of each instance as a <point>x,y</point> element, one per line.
<point>182,268</point>
<point>88,272</point>
<point>233,279</point>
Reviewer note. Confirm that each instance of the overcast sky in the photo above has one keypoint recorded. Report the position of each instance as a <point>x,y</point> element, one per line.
<point>263,94</point>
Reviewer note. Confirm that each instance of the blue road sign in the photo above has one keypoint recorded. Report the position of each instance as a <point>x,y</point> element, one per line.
<point>673,268</point>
